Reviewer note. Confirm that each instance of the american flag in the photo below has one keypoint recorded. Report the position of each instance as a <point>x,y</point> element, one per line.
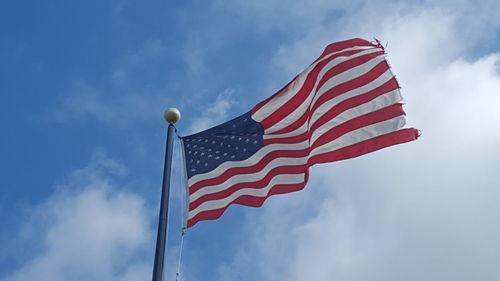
<point>345,104</point>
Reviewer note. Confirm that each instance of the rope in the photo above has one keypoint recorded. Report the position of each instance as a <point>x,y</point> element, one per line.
<point>177,274</point>
<point>182,206</point>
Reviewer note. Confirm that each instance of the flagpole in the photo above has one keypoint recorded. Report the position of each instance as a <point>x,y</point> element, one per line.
<point>171,115</point>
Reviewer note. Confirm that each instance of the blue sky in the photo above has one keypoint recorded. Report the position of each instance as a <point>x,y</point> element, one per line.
<point>84,86</point>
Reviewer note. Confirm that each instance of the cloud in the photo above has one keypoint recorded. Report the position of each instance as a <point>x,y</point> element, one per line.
<point>214,113</point>
<point>88,230</point>
<point>129,92</point>
<point>420,211</point>
<point>138,60</point>
<point>292,15</point>
<point>86,101</point>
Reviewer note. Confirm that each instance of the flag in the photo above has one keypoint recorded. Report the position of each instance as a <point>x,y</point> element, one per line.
<point>345,104</point>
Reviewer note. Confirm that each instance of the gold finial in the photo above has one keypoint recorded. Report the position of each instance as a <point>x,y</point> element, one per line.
<point>172,115</point>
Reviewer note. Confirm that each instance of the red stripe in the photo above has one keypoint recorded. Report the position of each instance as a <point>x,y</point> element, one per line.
<point>297,169</point>
<point>367,146</point>
<point>295,139</point>
<point>337,110</point>
<point>347,104</point>
<point>357,82</point>
<point>248,169</point>
<point>278,93</point>
<point>341,67</point>
<point>359,122</point>
<point>334,47</point>
<point>336,91</point>
<point>295,125</point>
<point>311,80</point>
<point>247,201</point>
<point>344,66</point>
<point>337,46</point>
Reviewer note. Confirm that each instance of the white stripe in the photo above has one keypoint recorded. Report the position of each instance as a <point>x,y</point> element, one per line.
<point>254,159</point>
<point>249,178</point>
<point>294,87</point>
<point>301,109</point>
<point>259,192</point>
<point>360,135</point>
<point>323,108</point>
<point>373,105</point>
<point>298,131</point>
<point>333,81</point>
<point>348,75</point>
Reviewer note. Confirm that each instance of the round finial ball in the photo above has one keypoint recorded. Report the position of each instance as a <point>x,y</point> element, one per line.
<point>172,115</point>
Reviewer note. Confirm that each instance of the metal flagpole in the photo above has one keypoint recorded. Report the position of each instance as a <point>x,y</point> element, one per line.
<point>172,115</point>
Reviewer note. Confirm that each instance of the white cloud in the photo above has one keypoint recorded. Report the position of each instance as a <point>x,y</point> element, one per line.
<point>420,211</point>
<point>289,15</point>
<point>214,113</point>
<point>85,101</point>
<point>134,61</point>
<point>88,230</point>
<point>116,100</point>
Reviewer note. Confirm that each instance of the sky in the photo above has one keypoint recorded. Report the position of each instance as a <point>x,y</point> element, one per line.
<point>83,87</point>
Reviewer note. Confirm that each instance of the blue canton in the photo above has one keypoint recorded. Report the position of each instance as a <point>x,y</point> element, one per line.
<point>234,140</point>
